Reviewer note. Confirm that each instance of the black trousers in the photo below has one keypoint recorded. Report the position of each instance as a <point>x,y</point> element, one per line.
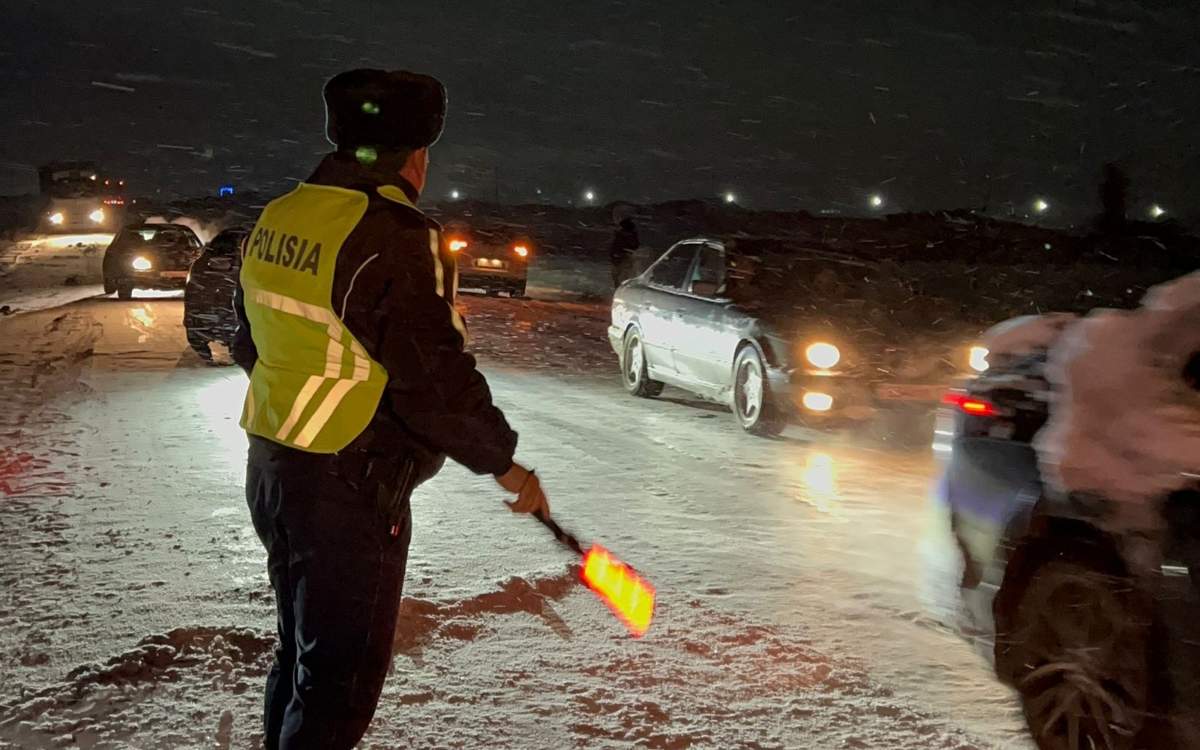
<point>337,573</point>
<point>622,270</point>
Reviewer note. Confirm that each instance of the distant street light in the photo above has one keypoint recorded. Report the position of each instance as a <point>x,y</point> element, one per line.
<point>730,198</point>
<point>1157,211</point>
<point>1040,206</point>
<point>589,196</point>
<point>455,195</point>
<point>876,201</point>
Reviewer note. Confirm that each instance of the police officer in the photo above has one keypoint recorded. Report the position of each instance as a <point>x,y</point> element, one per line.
<point>359,389</point>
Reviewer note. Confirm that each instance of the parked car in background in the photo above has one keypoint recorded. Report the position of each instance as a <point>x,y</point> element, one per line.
<point>149,256</point>
<point>493,262</point>
<point>1101,653</point>
<point>777,333</point>
<point>208,314</point>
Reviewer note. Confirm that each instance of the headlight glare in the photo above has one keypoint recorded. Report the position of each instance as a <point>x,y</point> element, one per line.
<point>141,263</point>
<point>978,358</point>
<point>822,355</point>
<point>815,401</point>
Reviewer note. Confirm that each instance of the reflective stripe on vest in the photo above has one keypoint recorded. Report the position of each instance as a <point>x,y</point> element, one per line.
<point>313,387</point>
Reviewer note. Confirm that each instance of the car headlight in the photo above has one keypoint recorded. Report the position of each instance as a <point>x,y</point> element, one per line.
<point>57,218</point>
<point>814,401</point>
<point>978,358</point>
<point>97,216</point>
<point>822,355</point>
<point>141,263</point>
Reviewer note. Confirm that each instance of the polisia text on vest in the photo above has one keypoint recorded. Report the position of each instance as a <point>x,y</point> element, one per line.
<point>287,250</point>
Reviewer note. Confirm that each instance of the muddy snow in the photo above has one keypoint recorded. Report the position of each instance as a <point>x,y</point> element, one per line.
<point>135,611</point>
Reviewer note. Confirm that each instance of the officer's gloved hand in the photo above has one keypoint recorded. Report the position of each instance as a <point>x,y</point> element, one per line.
<point>524,484</point>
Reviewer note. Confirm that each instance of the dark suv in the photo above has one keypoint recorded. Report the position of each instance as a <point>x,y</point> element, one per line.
<point>208,298</point>
<point>149,256</point>
<point>1103,652</point>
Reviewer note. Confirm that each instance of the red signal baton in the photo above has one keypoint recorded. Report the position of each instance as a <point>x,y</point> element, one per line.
<point>628,595</point>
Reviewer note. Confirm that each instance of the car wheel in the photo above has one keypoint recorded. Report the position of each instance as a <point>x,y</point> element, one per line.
<point>199,343</point>
<point>124,289</point>
<point>1079,650</point>
<point>752,403</point>
<point>634,372</point>
<point>110,286</point>
<point>517,292</point>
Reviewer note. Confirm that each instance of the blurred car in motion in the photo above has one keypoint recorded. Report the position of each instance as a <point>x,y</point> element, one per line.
<point>149,256</point>
<point>77,199</point>
<point>778,334</point>
<point>1102,652</point>
<point>208,315</point>
<point>493,261</point>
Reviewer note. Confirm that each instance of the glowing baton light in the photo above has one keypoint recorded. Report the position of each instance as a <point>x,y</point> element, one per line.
<point>627,594</point>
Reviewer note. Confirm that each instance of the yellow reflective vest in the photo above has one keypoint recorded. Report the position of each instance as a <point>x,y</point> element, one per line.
<point>313,387</point>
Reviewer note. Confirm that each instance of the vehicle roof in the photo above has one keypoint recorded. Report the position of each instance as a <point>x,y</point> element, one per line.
<point>157,227</point>
<point>56,166</point>
<point>128,234</point>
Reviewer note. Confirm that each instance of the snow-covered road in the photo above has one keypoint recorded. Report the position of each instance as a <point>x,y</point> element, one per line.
<point>44,271</point>
<point>134,609</point>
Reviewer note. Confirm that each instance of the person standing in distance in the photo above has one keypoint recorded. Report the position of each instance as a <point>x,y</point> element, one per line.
<point>359,389</point>
<point>625,243</point>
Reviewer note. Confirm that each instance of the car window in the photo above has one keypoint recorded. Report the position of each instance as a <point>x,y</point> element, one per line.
<point>670,269</point>
<point>708,276</point>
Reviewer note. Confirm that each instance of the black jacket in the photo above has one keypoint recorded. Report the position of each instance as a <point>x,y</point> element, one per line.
<point>436,402</point>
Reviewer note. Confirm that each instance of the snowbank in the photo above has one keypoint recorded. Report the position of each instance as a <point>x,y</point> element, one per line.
<point>1126,426</point>
<point>42,271</point>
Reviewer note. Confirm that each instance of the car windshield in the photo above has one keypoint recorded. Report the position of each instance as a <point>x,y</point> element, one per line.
<point>529,375</point>
<point>133,236</point>
<point>73,185</point>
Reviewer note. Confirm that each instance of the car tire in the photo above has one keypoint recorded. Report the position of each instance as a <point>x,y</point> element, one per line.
<point>752,401</point>
<point>634,373</point>
<point>110,286</point>
<point>124,289</point>
<point>517,292</point>
<point>199,343</point>
<point>1077,643</point>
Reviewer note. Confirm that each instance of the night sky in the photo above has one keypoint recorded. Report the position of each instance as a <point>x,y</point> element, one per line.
<point>812,105</point>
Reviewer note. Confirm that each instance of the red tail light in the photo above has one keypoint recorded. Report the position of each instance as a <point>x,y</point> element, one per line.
<point>976,407</point>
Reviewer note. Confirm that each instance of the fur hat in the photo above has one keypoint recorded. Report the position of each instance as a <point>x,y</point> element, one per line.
<point>384,109</point>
